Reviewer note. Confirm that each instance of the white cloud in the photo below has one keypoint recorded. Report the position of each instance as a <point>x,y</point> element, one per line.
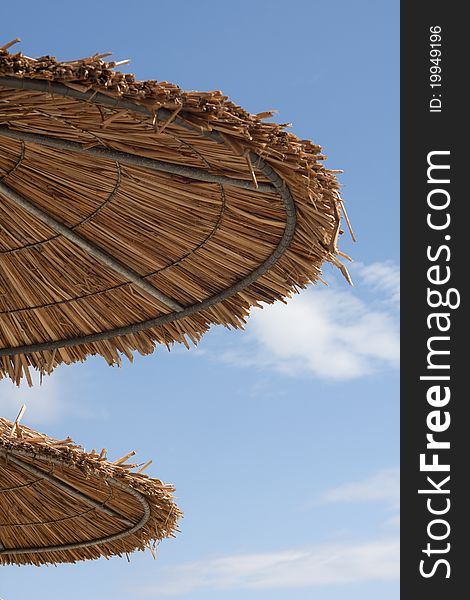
<point>384,485</point>
<point>393,522</point>
<point>44,402</point>
<point>329,333</point>
<point>323,564</point>
<point>381,276</point>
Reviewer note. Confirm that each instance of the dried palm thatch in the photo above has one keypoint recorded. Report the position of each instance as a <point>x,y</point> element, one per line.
<point>59,503</point>
<point>134,213</point>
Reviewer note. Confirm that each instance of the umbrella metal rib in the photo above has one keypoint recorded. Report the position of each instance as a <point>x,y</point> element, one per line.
<point>93,97</point>
<point>88,543</point>
<point>67,488</point>
<point>59,89</point>
<point>133,160</point>
<point>88,246</point>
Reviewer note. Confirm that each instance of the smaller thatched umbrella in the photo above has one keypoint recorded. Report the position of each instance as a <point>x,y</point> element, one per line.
<point>59,503</point>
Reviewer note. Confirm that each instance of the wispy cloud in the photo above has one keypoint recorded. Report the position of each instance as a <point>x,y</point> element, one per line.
<point>380,276</point>
<point>393,522</point>
<point>330,333</point>
<point>384,485</point>
<point>44,402</point>
<point>323,564</point>
<point>57,398</point>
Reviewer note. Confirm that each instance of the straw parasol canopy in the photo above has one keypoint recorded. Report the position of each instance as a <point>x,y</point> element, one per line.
<point>59,503</point>
<point>133,213</point>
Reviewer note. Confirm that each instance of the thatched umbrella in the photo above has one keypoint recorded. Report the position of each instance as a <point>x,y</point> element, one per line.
<point>59,503</point>
<point>134,213</point>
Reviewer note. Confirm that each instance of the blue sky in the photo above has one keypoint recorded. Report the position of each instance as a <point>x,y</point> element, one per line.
<point>282,440</point>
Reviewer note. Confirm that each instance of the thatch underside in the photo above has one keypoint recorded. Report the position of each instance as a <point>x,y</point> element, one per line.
<point>191,240</point>
<point>59,503</point>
